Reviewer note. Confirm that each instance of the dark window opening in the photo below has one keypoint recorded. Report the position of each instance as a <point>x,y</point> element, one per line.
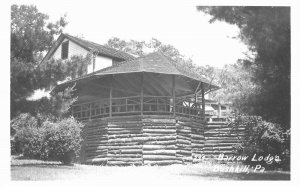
<point>65,50</point>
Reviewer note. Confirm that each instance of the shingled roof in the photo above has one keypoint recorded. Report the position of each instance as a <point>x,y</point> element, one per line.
<point>155,62</point>
<point>88,45</point>
<point>100,48</point>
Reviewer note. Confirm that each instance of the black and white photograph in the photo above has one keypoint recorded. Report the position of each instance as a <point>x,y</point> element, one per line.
<point>149,91</point>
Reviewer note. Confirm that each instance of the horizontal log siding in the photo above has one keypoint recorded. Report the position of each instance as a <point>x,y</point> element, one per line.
<point>219,139</point>
<point>159,147</point>
<point>124,147</point>
<point>155,140</point>
<point>141,140</point>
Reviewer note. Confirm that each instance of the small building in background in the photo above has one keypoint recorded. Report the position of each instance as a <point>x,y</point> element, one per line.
<point>218,112</point>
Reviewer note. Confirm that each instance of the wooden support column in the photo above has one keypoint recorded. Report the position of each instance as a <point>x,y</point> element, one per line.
<point>110,99</point>
<point>173,94</point>
<point>203,99</point>
<point>142,94</point>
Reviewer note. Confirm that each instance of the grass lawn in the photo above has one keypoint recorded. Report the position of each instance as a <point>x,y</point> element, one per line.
<point>25,169</point>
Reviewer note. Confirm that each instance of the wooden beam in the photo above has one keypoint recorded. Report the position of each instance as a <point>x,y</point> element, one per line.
<point>142,93</point>
<point>203,99</point>
<point>198,86</point>
<point>184,85</point>
<point>110,100</point>
<point>173,94</point>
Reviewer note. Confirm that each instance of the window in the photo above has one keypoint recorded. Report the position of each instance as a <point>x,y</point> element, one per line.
<point>65,50</point>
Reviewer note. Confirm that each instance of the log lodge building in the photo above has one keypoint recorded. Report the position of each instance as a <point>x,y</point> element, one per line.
<point>140,111</point>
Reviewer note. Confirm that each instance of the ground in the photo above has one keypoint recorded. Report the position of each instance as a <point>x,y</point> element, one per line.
<point>25,169</point>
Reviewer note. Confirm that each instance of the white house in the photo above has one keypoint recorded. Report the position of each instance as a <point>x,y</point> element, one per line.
<point>67,46</point>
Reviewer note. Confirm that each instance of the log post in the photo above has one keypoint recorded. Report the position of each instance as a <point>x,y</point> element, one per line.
<point>196,106</point>
<point>203,99</point>
<point>196,92</point>
<point>110,100</point>
<point>173,94</point>
<point>142,94</point>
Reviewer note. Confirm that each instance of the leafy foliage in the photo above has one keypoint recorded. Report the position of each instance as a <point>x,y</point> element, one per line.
<point>62,140</point>
<point>18,133</point>
<point>31,35</point>
<point>28,34</point>
<point>141,48</point>
<point>262,138</point>
<point>46,137</point>
<point>266,31</point>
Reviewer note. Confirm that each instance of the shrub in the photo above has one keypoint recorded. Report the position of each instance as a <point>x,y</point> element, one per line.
<point>52,140</point>
<point>31,141</point>
<point>62,140</point>
<point>262,138</point>
<point>21,129</point>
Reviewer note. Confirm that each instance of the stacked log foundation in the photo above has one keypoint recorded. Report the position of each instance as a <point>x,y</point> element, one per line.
<point>219,139</point>
<point>155,140</point>
<point>159,146</point>
<point>95,142</point>
<point>142,140</point>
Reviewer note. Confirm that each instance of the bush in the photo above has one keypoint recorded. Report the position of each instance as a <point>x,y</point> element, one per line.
<point>60,140</point>
<point>262,138</point>
<point>22,129</point>
<point>31,139</point>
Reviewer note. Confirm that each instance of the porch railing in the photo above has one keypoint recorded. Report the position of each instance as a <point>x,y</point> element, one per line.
<point>152,105</point>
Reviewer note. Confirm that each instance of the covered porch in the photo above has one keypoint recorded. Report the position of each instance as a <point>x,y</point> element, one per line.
<point>150,85</point>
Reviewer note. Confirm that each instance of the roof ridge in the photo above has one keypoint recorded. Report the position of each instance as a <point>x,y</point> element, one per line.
<point>112,50</point>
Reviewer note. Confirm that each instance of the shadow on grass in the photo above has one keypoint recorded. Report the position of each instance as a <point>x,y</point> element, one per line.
<point>43,165</point>
<point>20,161</point>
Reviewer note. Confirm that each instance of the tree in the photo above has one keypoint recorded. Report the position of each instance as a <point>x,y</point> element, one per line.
<point>235,82</point>
<point>266,31</point>
<point>31,36</point>
<point>140,48</point>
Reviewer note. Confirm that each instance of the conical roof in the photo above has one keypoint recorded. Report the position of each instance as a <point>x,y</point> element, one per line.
<point>155,62</point>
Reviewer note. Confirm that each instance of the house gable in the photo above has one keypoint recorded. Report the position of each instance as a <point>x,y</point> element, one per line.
<point>66,47</point>
<point>73,50</point>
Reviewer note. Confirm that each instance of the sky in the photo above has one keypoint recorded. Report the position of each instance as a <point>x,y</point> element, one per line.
<point>178,24</point>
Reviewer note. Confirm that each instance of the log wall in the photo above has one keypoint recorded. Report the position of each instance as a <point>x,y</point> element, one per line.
<point>219,139</point>
<point>142,140</point>
<point>155,140</point>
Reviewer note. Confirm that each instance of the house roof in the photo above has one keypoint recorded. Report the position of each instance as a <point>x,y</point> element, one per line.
<point>155,62</point>
<point>101,49</point>
<point>88,45</point>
